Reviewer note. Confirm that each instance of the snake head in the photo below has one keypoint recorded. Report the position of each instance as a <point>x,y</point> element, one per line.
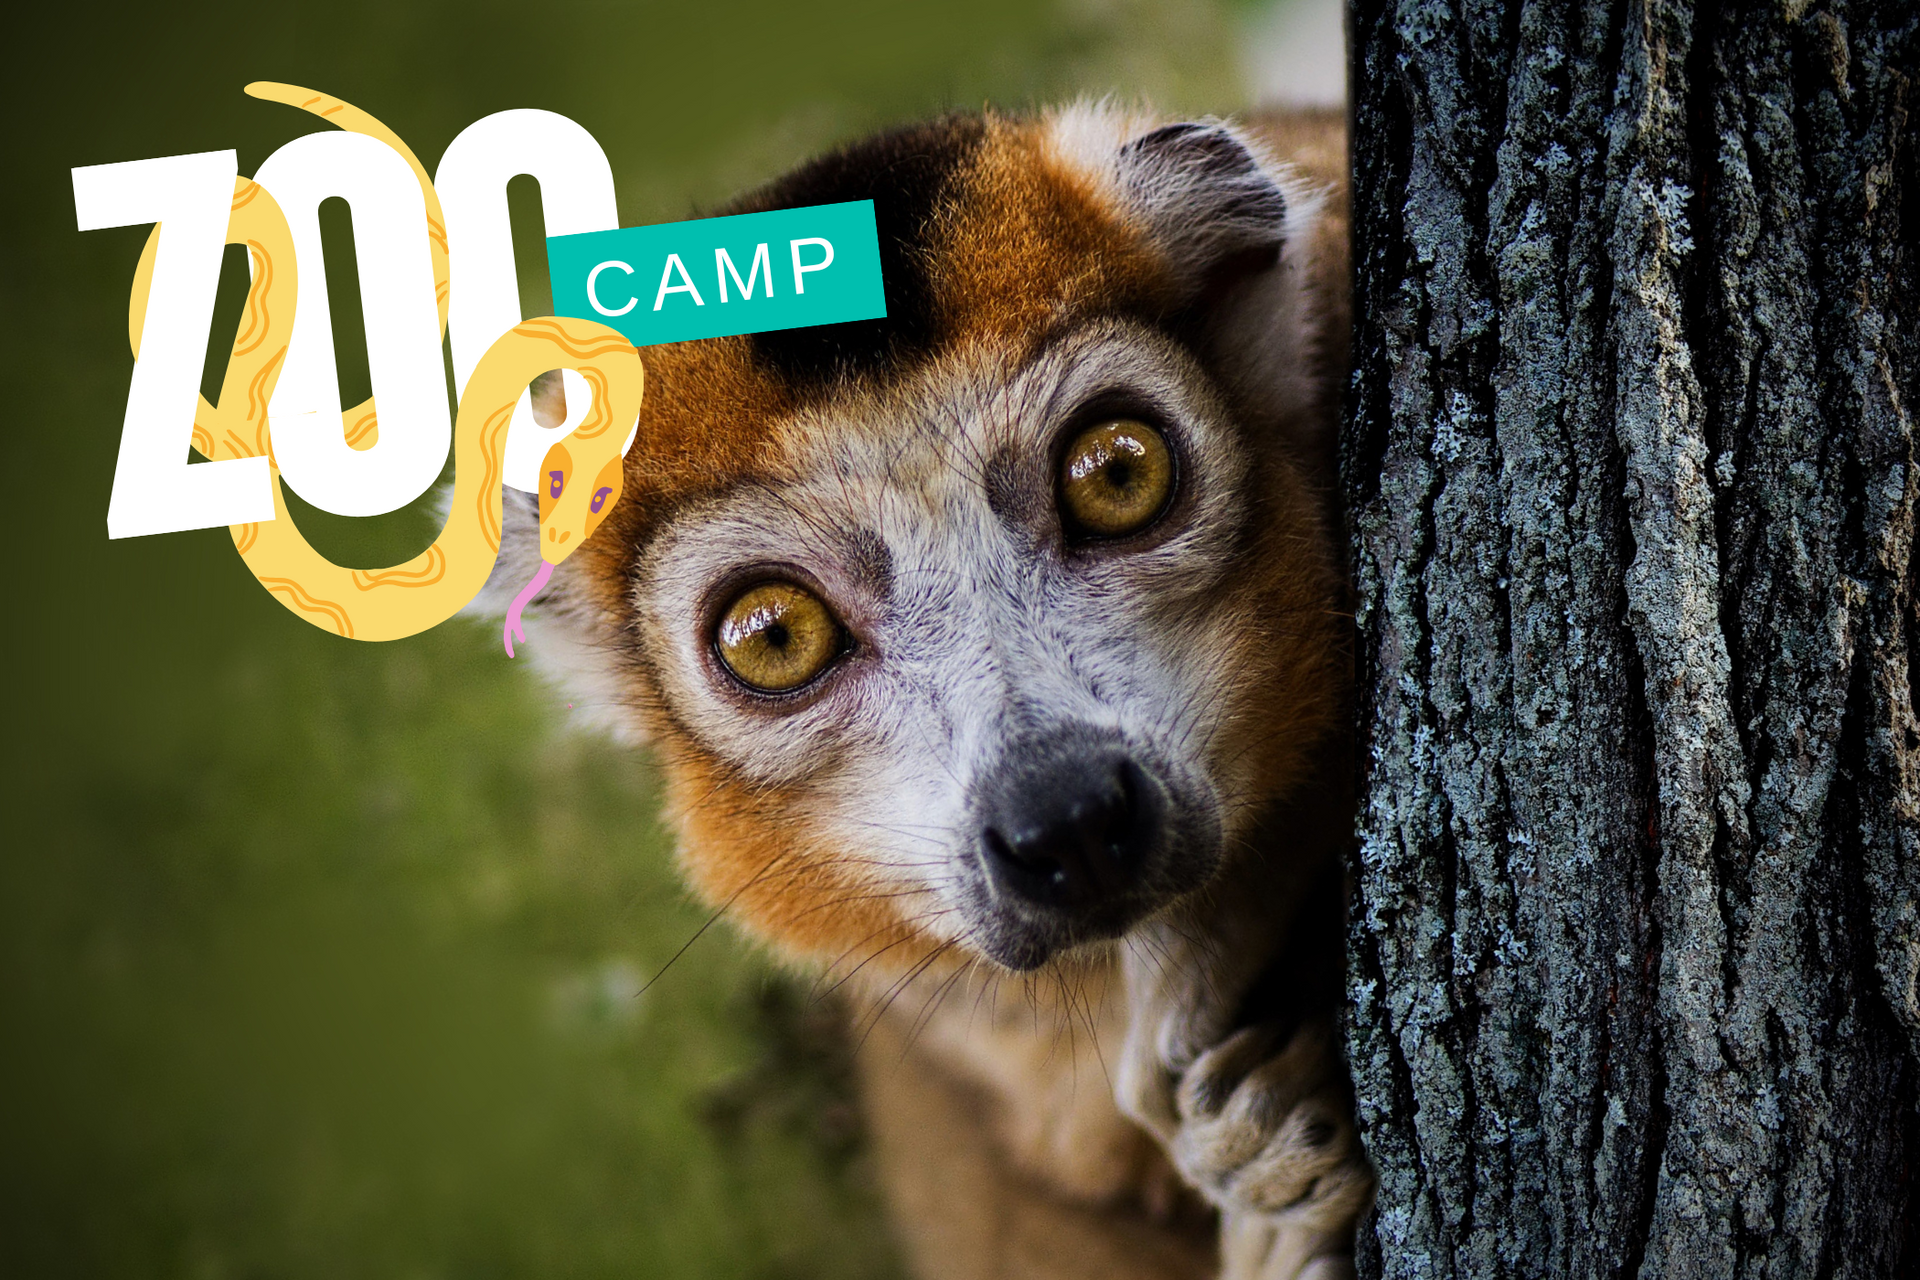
<point>569,510</point>
<point>569,513</point>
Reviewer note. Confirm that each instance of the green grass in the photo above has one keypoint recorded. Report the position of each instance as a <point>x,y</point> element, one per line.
<point>318,959</point>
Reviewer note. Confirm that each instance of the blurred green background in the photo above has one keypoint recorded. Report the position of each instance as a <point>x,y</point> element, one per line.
<point>322,959</point>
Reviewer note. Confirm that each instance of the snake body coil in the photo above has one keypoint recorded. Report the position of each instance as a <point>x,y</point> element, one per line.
<point>407,598</point>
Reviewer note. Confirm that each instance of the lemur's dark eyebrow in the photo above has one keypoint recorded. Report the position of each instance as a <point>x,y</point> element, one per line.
<point>1005,495</point>
<point>910,175</point>
<point>870,561</point>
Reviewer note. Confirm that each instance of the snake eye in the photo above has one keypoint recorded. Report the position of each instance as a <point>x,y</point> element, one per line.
<point>776,636</point>
<point>1115,479</point>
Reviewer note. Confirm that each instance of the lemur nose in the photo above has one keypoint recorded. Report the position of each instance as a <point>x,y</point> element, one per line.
<point>1073,838</point>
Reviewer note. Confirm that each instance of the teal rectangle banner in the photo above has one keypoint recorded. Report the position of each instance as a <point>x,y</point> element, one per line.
<point>716,276</point>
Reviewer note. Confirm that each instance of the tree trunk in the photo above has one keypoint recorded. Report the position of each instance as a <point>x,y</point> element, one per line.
<point>1631,484</point>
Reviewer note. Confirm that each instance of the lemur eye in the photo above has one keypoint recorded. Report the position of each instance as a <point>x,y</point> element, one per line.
<point>776,637</point>
<point>1115,478</point>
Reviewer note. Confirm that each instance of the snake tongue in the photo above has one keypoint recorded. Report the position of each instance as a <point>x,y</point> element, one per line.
<point>513,630</point>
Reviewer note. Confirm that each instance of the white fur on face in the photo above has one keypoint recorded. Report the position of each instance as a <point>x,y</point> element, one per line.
<point>926,520</point>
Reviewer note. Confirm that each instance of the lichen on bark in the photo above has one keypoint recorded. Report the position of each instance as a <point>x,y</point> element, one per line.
<point>1630,480</point>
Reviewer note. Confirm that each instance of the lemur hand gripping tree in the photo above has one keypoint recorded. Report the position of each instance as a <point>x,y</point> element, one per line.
<point>1631,486</point>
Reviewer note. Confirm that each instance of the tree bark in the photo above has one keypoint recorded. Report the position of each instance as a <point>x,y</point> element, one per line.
<point>1630,479</point>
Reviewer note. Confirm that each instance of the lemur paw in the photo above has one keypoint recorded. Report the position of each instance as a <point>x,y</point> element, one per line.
<point>1231,1060</point>
<point>1260,1247</point>
<point>1263,1128</point>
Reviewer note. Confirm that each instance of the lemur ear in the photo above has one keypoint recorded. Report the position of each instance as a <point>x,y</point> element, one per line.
<point>1211,207</point>
<point>1240,234</point>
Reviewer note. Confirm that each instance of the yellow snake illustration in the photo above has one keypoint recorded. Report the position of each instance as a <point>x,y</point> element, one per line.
<point>405,599</point>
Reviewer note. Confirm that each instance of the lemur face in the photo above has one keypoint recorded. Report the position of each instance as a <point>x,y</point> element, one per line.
<point>988,629</point>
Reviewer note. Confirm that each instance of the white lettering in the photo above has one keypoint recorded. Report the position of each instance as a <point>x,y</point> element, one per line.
<point>400,317</point>
<point>799,285</point>
<point>723,267</point>
<point>576,194</point>
<point>154,488</point>
<point>593,295</point>
<point>685,286</point>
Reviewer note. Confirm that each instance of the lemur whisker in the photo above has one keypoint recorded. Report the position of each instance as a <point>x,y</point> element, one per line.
<point>913,936</point>
<point>928,832</point>
<point>929,1008</point>
<point>850,899</point>
<point>985,990</point>
<point>708,924</point>
<point>893,993</point>
<point>1093,1034</point>
<point>819,993</point>
<point>1153,951</point>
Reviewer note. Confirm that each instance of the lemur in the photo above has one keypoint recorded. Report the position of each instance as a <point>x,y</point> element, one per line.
<point>997,658</point>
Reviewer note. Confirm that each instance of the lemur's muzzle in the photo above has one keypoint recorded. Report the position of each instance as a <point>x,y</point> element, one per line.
<point>1074,841</point>
<point>1073,837</point>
